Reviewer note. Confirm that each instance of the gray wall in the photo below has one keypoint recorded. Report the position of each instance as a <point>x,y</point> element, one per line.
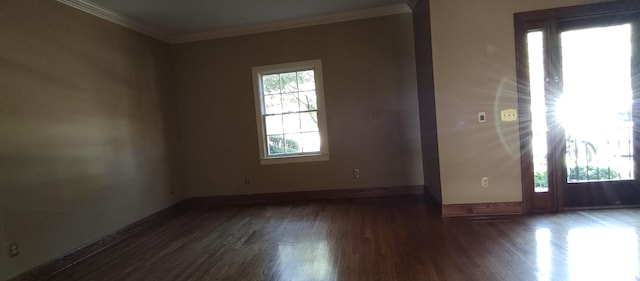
<point>371,107</point>
<point>85,146</point>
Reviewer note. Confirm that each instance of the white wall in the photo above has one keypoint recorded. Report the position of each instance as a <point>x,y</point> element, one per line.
<point>475,71</point>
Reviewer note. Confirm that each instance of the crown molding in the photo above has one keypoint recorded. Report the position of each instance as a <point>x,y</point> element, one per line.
<point>412,4</point>
<point>106,14</point>
<point>289,24</point>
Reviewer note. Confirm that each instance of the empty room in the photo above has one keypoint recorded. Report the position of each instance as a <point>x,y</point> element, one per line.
<point>320,140</point>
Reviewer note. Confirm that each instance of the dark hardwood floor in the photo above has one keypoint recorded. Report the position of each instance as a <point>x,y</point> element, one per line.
<point>371,239</point>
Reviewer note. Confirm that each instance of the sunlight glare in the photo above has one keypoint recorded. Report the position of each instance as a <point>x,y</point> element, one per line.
<point>597,80</point>
<point>543,253</point>
<point>596,103</point>
<point>603,254</point>
<point>308,261</point>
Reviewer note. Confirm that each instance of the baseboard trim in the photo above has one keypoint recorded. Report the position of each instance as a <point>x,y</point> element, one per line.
<point>432,202</point>
<point>482,209</point>
<point>209,201</point>
<point>56,265</point>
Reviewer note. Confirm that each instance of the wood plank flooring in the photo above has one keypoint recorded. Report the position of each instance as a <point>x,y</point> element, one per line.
<point>397,238</point>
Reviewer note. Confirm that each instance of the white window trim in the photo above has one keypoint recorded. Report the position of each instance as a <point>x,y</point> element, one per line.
<point>258,72</point>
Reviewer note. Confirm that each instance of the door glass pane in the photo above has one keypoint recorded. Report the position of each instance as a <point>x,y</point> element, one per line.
<point>595,108</point>
<point>535,50</point>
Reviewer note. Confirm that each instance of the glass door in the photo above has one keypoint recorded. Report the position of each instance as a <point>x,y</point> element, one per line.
<point>578,74</point>
<point>595,111</point>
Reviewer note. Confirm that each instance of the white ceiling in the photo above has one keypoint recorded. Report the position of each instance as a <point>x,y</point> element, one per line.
<point>180,18</point>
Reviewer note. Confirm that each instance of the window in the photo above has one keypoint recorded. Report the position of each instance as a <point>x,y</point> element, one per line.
<point>290,112</point>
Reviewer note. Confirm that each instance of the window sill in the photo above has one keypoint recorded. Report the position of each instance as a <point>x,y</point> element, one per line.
<point>294,159</point>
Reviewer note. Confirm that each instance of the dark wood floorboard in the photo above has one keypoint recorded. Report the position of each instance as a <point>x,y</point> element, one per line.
<point>371,239</point>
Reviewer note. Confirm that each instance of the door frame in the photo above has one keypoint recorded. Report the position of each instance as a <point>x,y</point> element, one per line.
<point>548,21</point>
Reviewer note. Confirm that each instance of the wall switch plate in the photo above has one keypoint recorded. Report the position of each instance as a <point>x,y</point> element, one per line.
<point>356,173</point>
<point>482,117</point>
<point>13,249</point>
<point>509,115</point>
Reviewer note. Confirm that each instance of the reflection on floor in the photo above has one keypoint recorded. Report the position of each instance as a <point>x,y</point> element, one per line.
<point>614,249</point>
<point>372,239</point>
<point>310,261</point>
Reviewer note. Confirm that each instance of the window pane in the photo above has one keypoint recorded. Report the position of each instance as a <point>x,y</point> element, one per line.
<point>292,143</point>
<point>273,104</point>
<point>276,144</point>
<point>288,113</point>
<point>274,125</point>
<point>309,121</point>
<point>310,142</point>
<point>595,109</point>
<point>308,101</point>
<point>306,80</point>
<point>291,122</point>
<point>290,102</point>
<point>271,84</point>
<point>535,45</point>
<point>289,82</point>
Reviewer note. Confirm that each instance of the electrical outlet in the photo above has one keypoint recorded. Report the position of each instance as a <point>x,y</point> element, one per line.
<point>247,180</point>
<point>13,249</point>
<point>172,189</point>
<point>356,173</point>
<point>484,182</point>
<point>509,115</point>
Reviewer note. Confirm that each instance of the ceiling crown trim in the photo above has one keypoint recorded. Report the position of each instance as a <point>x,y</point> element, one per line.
<point>111,16</point>
<point>114,17</point>
<point>289,24</point>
